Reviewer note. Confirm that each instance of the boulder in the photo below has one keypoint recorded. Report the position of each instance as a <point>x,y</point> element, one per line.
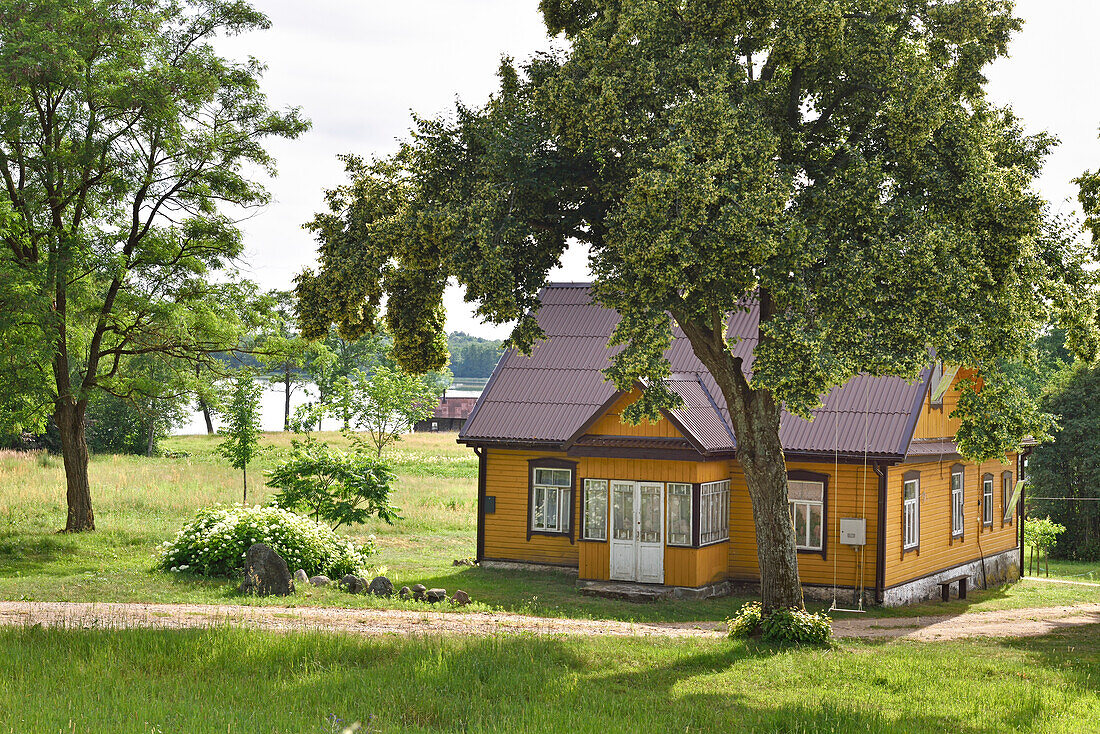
<point>434,596</point>
<point>381,586</point>
<point>321,580</point>
<point>353,584</point>
<point>301,577</point>
<point>418,591</point>
<point>265,573</point>
<point>405,592</point>
<point>461,598</point>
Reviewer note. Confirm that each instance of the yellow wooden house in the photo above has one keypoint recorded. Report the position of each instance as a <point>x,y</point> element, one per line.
<point>884,508</point>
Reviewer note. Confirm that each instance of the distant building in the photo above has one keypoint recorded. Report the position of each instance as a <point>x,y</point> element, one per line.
<point>449,415</point>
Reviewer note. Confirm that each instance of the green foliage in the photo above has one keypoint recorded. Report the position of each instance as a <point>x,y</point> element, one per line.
<point>782,625</point>
<point>1042,533</point>
<point>217,540</point>
<point>1069,465</point>
<point>332,485</point>
<point>746,621</point>
<point>995,414</point>
<point>390,401</point>
<point>797,626</point>
<point>473,356</point>
<point>240,414</point>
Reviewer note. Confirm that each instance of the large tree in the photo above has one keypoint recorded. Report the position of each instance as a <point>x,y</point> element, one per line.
<point>836,161</point>
<point>122,132</point>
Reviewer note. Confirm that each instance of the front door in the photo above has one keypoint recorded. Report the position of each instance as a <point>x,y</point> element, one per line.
<point>637,532</point>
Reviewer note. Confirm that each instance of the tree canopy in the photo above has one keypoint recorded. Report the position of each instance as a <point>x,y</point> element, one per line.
<point>838,162</point>
<point>123,134</point>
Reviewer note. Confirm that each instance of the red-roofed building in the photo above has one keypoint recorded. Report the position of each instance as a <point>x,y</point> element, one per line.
<point>449,415</point>
<point>882,503</point>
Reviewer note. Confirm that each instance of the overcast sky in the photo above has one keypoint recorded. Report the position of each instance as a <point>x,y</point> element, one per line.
<point>358,67</point>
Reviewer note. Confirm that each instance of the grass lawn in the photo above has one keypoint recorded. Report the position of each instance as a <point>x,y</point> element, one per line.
<point>141,502</point>
<point>232,680</point>
<point>1087,571</point>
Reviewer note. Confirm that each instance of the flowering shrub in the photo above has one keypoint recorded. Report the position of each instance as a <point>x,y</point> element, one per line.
<point>746,621</point>
<point>782,625</point>
<point>798,626</point>
<point>216,541</point>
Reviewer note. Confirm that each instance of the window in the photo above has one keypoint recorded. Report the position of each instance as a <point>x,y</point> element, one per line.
<point>1006,496</point>
<point>435,426</point>
<point>911,512</point>
<point>679,514</point>
<point>957,485</point>
<point>807,513</point>
<point>987,499</point>
<point>551,500</point>
<point>934,383</point>
<point>714,512</point>
<point>595,509</point>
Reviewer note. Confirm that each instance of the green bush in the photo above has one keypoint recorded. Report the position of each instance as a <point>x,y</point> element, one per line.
<point>216,541</point>
<point>746,621</point>
<point>797,626</point>
<point>784,625</point>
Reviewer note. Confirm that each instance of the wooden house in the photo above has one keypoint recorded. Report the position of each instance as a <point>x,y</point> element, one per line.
<point>449,415</point>
<point>884,508</point>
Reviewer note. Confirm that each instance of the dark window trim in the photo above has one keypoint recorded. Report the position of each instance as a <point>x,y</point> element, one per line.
<point>992,499</point>
<point>696,509</point>
<point>961,535</point>
<point>693,535</point>
<point>552,463</point>
<point>584,512</point>
<point>801,475</point>
<point>1006,474</point>
<point>910,476</point>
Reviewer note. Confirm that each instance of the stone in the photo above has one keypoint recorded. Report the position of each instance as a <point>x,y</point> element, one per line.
<point>321,580</point>
<point>353,584</point>
<point>461,598</point>
<point>405,592</point>
<point>434,596</point>
<point>381,586</point>
<point>418,591</point>
<point>464,562</point>
<point>265,573</point>
<point>301,577</point>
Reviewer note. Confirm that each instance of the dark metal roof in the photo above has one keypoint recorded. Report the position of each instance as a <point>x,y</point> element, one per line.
<point>454,407</point>
<point>549,396</point>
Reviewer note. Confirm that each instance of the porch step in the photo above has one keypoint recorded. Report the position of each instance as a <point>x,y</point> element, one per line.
<point>643,593</point>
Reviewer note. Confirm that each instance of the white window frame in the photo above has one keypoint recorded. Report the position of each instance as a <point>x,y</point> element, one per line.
<point>910,515</point>
<point>958,497</point>
<point>714,512</point>
<point>806,505</point>
<point>987,500</point>
<point>1007,488</point>
<point>672,505</point>
<point>546,495</point>
<point>595,488</point>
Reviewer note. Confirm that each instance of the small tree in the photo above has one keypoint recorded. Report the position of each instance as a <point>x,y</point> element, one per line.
<point>391,401</point>
<point>333,485</point>
<point>1042,535</point>
<point>241,432</point>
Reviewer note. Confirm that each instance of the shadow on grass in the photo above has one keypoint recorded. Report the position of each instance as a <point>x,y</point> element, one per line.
<point>36,552</point>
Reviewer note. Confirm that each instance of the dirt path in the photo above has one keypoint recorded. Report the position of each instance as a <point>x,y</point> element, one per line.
<point>1009,623</point>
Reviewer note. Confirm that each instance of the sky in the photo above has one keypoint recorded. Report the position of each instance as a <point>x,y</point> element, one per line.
<point>359,68</point>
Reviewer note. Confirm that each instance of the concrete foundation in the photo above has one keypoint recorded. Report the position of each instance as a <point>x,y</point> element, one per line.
<point>628,591</point>
<point>1000,568</point>
<point>522,566</point>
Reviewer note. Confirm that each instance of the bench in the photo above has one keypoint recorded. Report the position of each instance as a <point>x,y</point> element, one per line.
<point>945,586</point>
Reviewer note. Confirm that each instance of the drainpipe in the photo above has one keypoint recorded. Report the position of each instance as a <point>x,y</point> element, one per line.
<point>481,461</point>
<point>1020,460</point>
<point>880,536</point>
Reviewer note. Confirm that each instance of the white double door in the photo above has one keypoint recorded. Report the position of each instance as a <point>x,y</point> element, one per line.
<point>637,532</point>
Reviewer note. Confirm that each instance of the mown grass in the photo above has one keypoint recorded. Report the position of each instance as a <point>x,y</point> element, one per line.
<point>141,502</point>
<point>232,680</point>
<point>1086,571</point>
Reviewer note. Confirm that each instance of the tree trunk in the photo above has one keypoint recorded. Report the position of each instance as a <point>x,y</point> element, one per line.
<point>206,417</point>
<point>151,438</point>
<point>244,483</point>
<point>286,398</point>
<point>755,416</point>
<point>69,416</point>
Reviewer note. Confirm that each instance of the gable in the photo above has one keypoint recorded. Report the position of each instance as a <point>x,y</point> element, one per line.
<point>612,424</point>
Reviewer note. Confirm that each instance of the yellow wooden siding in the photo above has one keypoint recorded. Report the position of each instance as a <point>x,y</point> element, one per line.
<point>936,422</point>
<point>852,493</point>
<point>937,549</point>
<point>695,566</point>
<point>595,561</point>
<point>611,424</point>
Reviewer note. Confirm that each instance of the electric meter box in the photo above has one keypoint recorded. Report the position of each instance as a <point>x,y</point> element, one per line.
<point>853,531</point>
